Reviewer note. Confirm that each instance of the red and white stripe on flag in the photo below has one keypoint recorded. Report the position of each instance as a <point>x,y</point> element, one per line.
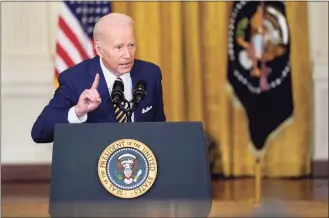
<point>74,41</point>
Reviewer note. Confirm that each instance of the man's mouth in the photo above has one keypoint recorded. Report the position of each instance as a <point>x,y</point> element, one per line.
<point>125,64</point>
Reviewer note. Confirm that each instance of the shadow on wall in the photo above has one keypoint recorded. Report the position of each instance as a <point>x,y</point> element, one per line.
<point>215,158</point>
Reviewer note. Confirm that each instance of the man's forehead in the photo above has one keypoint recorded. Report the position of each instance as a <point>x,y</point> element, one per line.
<point>120,33</point>
<point>114,22</point>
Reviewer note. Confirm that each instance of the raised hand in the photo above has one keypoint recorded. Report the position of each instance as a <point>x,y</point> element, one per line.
<point>89,99</point>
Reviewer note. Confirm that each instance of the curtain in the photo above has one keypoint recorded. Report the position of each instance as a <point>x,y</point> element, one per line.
<point>188,40</point>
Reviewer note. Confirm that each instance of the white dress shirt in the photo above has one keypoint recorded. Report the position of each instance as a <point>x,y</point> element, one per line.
<point>109,78</point>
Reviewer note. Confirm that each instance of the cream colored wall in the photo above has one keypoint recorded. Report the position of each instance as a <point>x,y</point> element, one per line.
<point>318,30</point>
<point>28,42</point>
<point>28,36</point>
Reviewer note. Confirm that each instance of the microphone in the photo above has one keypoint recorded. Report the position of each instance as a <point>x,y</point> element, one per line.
<point>117,94</point>
<point>140,91</point>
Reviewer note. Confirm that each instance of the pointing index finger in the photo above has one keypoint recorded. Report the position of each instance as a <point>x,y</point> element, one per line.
<point>96,82</point>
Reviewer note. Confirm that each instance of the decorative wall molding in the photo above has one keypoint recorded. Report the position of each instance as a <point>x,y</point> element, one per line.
<point>27,75</point>
<point>23,64</point>
<point>320,73</point>
<point>32,172</point>
<point>318,32</point>
<point>320,169</point>
<point>320,78</point>
<point>25,27</point>
<point>26,87</point>
<point>26,90</point>
<point>28,47</point>
<point>18,116</point>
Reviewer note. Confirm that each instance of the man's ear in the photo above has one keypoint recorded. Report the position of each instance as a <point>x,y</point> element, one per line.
<point>98,49</point>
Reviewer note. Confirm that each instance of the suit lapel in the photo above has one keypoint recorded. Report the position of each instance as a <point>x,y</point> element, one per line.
<point>134,78</point>
<point>103,90</point>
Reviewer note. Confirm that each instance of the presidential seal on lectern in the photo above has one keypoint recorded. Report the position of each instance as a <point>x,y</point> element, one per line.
<point>127,168</point>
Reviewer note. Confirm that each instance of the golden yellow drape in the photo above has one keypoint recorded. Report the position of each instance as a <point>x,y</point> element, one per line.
<point>188,40</point>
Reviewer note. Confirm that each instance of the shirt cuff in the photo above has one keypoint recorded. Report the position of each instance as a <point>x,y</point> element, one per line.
<point>72,117</point>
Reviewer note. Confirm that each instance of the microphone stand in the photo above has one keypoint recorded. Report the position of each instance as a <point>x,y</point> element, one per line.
<point>130,109</point>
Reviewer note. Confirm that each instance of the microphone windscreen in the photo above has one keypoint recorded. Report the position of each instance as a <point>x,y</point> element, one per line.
<point>118,85</point>
<point>117,91</point>
<point>141,84</point>
<point>140,91</point>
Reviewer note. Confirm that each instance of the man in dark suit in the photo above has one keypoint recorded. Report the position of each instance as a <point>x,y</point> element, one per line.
<point>84,91</point>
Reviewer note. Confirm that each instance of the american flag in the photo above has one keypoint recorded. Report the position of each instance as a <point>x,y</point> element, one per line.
<point>74,42</point>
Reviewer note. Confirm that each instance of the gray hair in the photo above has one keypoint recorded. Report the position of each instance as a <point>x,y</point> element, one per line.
<point>116,19</point>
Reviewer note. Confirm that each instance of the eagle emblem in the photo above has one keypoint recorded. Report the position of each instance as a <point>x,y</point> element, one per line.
<point>127,166</point>
<point>263,37</point>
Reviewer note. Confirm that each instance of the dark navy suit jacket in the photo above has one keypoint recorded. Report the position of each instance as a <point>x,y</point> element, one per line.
<point>73,81</point>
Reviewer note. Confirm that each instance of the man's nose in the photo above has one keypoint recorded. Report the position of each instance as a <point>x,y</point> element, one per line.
<point>126,53</point>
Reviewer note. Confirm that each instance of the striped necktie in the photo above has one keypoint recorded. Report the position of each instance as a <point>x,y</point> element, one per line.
<point>120,114</point>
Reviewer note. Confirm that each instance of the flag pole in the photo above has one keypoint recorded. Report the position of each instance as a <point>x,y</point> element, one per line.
<point>259,154</point>
<point>258,179</point>
<point>256,200</point>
